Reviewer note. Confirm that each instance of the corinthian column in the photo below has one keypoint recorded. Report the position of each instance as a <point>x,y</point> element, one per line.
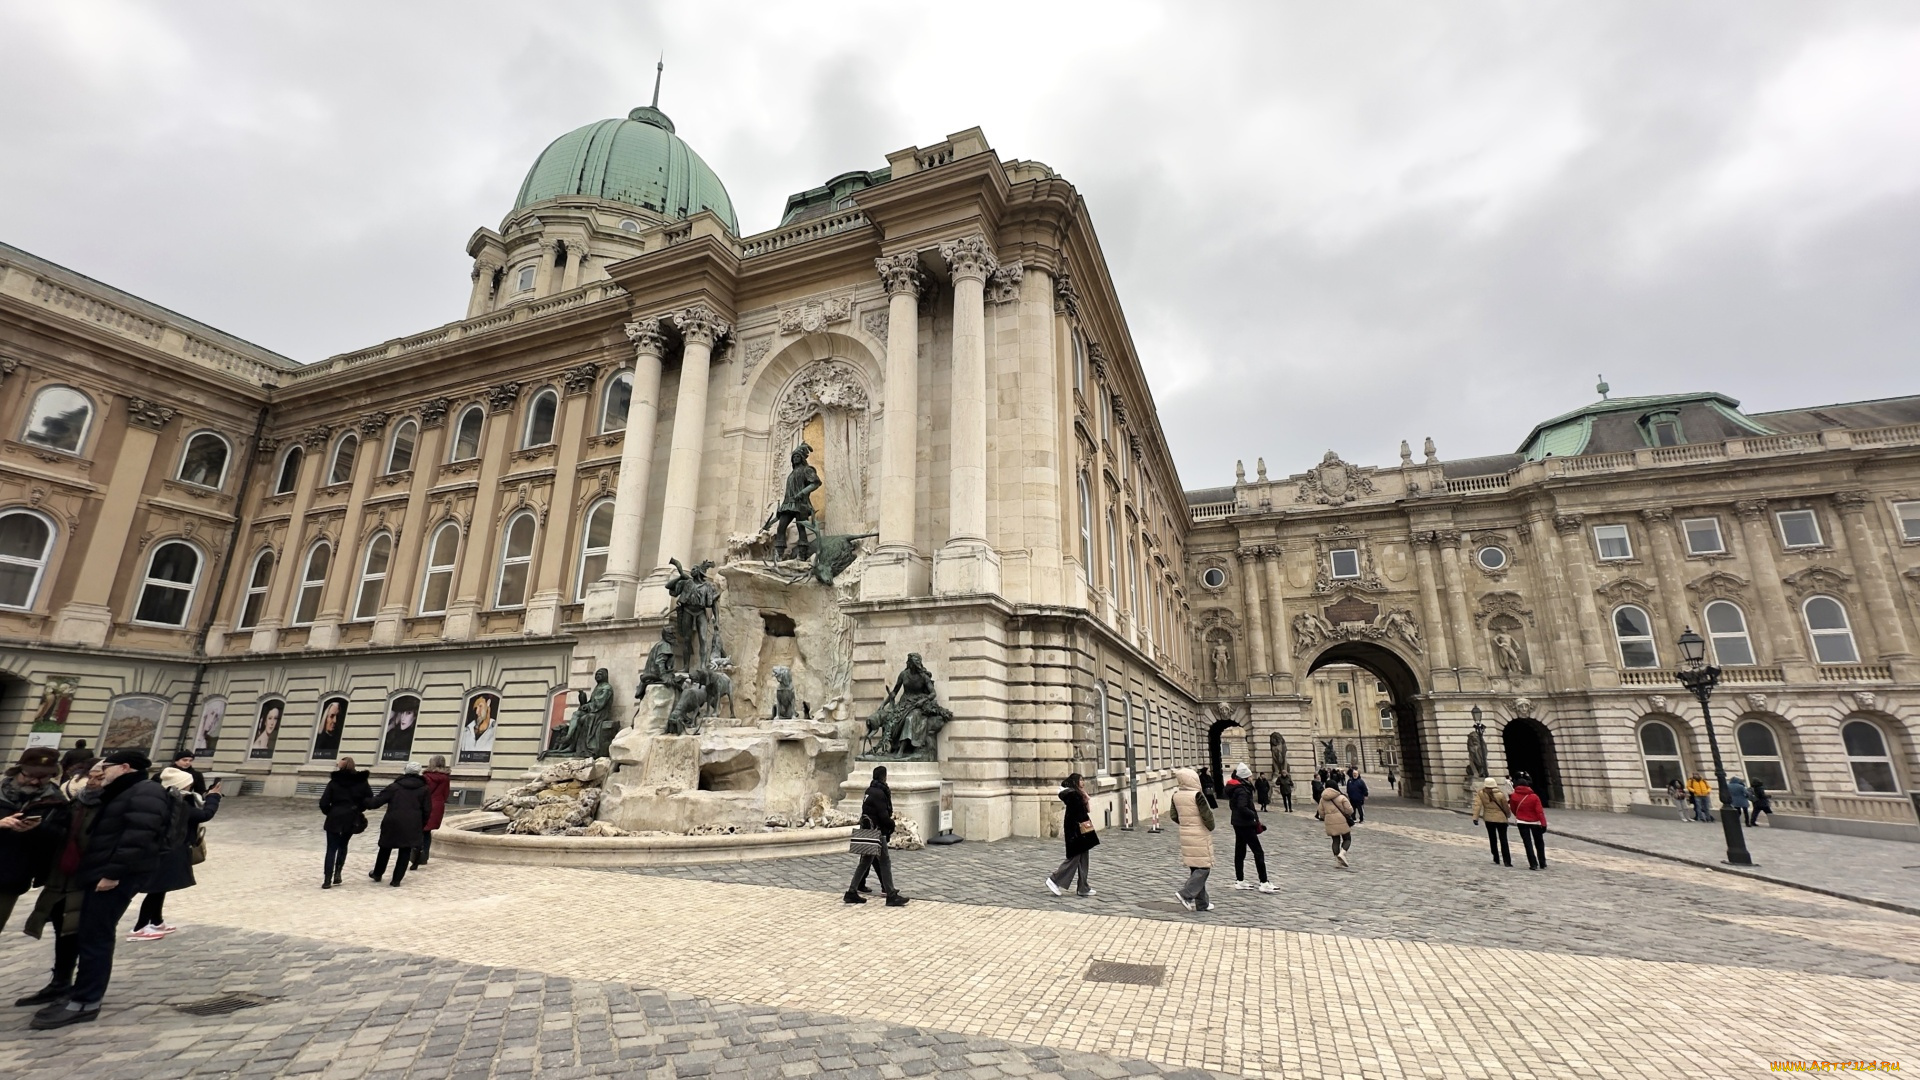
<point>612,596</point>
<point>700,326</point>
<point>896,567</point>
<point>967,563</point>
<point>1439,649</point>
<point>1574,554</point>
<point>1460,628</point>
<point>1782,621</point>
<point>1666,571</point>
<point>1259,661</point>
<point>1879,588</point>
<point>1281,652</point>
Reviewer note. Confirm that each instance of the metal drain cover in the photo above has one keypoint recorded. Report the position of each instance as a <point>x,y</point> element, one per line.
<point>1111,971</point>
<point>223,1004</point>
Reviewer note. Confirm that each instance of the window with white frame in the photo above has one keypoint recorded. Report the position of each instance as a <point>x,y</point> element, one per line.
<point>1633,629</point>
<point>344,452</point>
<point>1831,632</point>
<point>313,584</point>
<point>1660,751</point>
<point>615,402</point>
<point>1798,528</point>
<point>1386,718</point>
<point>1133,580</point>
<point>1908,514</point>
<point>1867,753</point>
<point>1104,725</point>
<point>289,471</point>
<point>253,603</point>
<point>523,281</point>
<point>1113,553</point>
<point>173,571</point>
<point>26,543</point>
<point>516,561</point>
<point>595,541</point>
<point>1760,749</point>
<point>373,577</point>
<point>466,434</point>
<point>1727,628</point>
<point>1703,536</point>
<point>1086,529</point>
<point>540,414</point>
<point>203,462</point>
<point>1079,363</point>
<point>1612,541</point>
<point>59,419</point>
<point>1345,562</point>
<point>442,551</point>
<point>400,447</point>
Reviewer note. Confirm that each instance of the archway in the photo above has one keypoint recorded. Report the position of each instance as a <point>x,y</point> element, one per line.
<point>1220,725</point>
<point>1403,688</point>
<point>1529,747</point>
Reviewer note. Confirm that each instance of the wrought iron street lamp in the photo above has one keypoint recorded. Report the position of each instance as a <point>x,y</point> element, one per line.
<point>1701,677</point>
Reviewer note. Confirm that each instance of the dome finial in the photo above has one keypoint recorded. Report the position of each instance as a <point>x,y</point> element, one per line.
<point>659,69</point>
<point>1603,387</point>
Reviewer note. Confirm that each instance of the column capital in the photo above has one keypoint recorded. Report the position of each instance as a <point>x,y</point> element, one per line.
<point>503,397</point>
<point>646,337</point>
<point>148,413</point>
<point>1447,538</point>
<point>372,424</point>
<point>1066,299</point>
<point>701,325</point>
<point>1656,514</point>
<point>316,438</point>
<point>1567,524</point>
<point>901,273</point>
<point>1425,538</point>
<point>266,445</point>
<point>580,378</point>
<point>1750,509</point>
<point>1851,502</point>
<point>433,412</point>
<point>969,258</point>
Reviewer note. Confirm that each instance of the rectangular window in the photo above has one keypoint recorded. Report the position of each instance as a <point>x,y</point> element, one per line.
<point>1703,536</point>
<point>1666,433</point>
<point>1342,686</point>
<point>1612,541</point>
<point>1346,563</point>
<point>1909,515</point>
<point>1798,528</point>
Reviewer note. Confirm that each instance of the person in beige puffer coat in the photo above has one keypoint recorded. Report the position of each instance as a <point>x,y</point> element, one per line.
<point>1336,814</point>
<point>1195,818</point>
<point>1490,805</point>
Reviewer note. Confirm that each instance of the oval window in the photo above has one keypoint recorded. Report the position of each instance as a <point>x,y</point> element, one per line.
<point>1214,577</point>
<point>1492,557</point>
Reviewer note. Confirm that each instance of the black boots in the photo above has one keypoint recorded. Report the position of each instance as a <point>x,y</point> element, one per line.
<point>48,994</point>
<point>853,898</point>
<point>896,900</point>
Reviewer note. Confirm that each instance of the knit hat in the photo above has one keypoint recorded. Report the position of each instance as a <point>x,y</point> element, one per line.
<point>175,779</point>
<point>40,757</point>
<point>1490,782</point>
<point>133,759</point>
<point>411,768</point>
<point>1242,771</point>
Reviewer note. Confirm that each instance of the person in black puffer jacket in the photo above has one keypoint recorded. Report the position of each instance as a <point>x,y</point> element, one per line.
<point>344,802</point>
<point>1076,826</point>
<point>31,824</point>
<point>876,811</point>
<point>1246,830</point>
<point>124,846</point>
<point>175,871</point>
<point>408,803</point>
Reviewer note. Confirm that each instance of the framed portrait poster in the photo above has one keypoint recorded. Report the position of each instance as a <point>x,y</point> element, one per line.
<point>479,723</point>
<point>206,733</point>
<point>266,728</point>
<point>133,723</point>
<point>562,703</point>
<point>326,733</point>
<point>403,719</point>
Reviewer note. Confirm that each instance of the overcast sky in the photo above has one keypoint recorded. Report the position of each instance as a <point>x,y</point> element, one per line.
<point>1331,225</point>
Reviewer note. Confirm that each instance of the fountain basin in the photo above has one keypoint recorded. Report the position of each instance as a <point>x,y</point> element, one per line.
<point>468,838</point>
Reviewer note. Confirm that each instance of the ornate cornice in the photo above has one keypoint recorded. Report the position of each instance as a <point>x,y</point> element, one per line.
<point>503,397</point>
<point>317,438</point>
<point>646,337</point>
<point>900,273</point>
<point>434,412</point>
<point>969,258</point>
<point>701,325</point>
<point>580,378</point>
<point>147,413</point>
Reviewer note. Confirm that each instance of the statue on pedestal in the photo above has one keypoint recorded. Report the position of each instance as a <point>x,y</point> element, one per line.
<point>783,692</point>
<point>695,618</point>
<point>904,727</point>
<point>590,733</point>
<point>1477,752</point>
<point>796,506</point>
<point>659,663</point>
<point>689,703</point>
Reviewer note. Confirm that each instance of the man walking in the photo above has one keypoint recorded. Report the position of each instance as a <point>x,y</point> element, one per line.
<point>1697,787</point>
<point>1357,795</point>
<point>124,846</point>
<point>1285,784</point>
<point>877,810</point>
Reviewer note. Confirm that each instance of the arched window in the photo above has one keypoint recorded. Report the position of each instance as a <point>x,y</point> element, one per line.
<point>1832,635</point>
<point>1727,626</point>
<point>173,570</point>
<point>1867,753</point>
<point>1104,726</point>
<point>523,281</point>
<point>1346,719</point>
<point>400,446</point>
<point>348,448</point>
<point>540,419</point>
<point>313,582</point>
<point>204,461</point>
<point>26,542</point>
<point>1761,751</point>
<point>615,401</point>
<point>59,419</point>
<point>1386,718</point>
<point>253,603</point>
<point>373,576</point>
<point>1113,554</point>
<point>1086,530</point>
<point>516,560</point>
<point>466,434</point>
<point>1633,629</point>
<point>595,541</point>
<point>1661,752</point>
<point>1133,581</point>
<point>442,550</point>
<point>289,471</point>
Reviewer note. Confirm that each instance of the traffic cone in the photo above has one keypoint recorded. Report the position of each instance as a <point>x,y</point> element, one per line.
<point>1154,826</point>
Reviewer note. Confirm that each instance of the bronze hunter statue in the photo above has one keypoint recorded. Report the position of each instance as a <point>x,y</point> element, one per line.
<point>796,507</point>
<point>905,726</point>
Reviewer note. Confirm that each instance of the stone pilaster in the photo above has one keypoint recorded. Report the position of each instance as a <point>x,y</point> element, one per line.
<point>1280,640</point>
<point>473,590</point>
<point>897,567</point>
<point>482,297</point>
<point>1439,650</point>
<point>1780,617</point>
<point>402,578</point>
<point>1459,618</point>
<point>87,618</point>
<point>343,583</point>
<point>966,563</point>
<point>1666,570</point>
<point>1599,654</point>
<point>288,567</point>
<point>1881,590</point>
<point>1259,660</point>
<point>557,563</point>
<point>612,597</point>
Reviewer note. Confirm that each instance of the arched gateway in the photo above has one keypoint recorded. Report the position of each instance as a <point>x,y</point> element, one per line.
<point>1403,687</point>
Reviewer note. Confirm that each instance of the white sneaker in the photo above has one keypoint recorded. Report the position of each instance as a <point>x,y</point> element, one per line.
<point>1184,902</point>
<point>1052,888</point>
<point>145,933</point>
<point>1209,907</point>
<point>1089,892</point>
<point>1243,885</point>
<point>1267,886</point>
<point>1340,857</point>
<point>164,928</point>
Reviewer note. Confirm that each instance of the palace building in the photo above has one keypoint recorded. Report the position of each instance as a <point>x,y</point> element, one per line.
<point>426,546</point>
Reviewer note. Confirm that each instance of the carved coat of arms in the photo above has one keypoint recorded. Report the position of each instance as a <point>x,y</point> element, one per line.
<point>1334,481</point>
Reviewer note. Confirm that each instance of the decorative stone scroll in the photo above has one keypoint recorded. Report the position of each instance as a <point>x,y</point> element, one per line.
<point>1066,300</point>
<point>752,353</point>
<point>317,438</point>
<point>901,273</point>
<point>815,317</point>
<point>503,397</point>
<point>877,322</point>
<point>701,323</point>
<point>1003,285</point>
<point>372,424</point>
<point>646,336</point>
<point>148,413</point>
<point>969,257</point>
<point>1312,630</point>
<point>580,378</point>
<point>434,412</point>
<point>1816,579</point>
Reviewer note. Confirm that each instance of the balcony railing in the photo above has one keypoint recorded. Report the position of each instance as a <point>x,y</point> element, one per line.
<point>1855,673</point>
<point>780,239</point>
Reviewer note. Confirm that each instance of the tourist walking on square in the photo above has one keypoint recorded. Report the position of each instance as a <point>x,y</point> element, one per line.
<point>1319,785</point>
<point>1739,798</point>
<point>1336,814</point>
<point>1490,806</point>
<point>31,812</point>
<point>1195,817</point>
<point>1246,830</point>
<point>1530,817</point>
<point>123,848</point>
<point>61,897</point>
<point>876,811</point>
<point>1682,802</point>
<point>1207,790</point>
<point>405,822</point>
<point>175,871</point>
<point>1762,804</point>
<point>344,802</point>
<point>1702,808</point>
<point>1262,791</point>
<point>1077,829</point>
<point>1357,794</point>
<point>439,785</point>
<point>1286,791</point>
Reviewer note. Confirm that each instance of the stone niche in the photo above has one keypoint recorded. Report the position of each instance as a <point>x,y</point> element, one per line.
<point>767,621</point>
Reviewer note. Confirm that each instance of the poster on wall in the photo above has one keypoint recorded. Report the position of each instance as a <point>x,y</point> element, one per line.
<point>403,718</point>
<point>206,733</point>
<point>266,728</point>
<point>50,715</point>
<point>477,728</point>
<point>326,735</point>
<point>133,723</point>
<point>562,703</point>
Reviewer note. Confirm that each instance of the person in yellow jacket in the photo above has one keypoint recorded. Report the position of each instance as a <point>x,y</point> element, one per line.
<point>1697,787</point>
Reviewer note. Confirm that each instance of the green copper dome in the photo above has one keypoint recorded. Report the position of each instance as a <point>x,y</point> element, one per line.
<point>638,161</point>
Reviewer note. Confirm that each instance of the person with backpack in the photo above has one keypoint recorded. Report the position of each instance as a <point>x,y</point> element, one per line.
<point>439,784</point>
<point>1739,798</point>
<point>1336,814</point>
<point>1246,830</point>
<point>1077,829</point>
<point>1490,806</point>
<point>1530,817</point>
<point>876,812</point>
<point>344,802</point>
<point>405,823</point>
<point>186,845</point>
<point>1194,815</point>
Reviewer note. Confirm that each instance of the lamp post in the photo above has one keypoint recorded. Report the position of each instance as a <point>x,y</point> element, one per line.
<point>1700,678</point>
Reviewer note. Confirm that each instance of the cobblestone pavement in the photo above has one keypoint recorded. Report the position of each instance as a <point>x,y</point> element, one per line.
<point>502,970</point>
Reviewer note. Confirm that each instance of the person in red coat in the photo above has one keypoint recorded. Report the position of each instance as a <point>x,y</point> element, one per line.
<point>439,782</point>
<point>1530,817</point>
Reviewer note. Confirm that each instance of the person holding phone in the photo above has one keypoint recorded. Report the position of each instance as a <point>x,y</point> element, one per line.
<point>61,897</point>
<point>29,796</point>
<point>1077,828</point>
<point>185,840</point>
